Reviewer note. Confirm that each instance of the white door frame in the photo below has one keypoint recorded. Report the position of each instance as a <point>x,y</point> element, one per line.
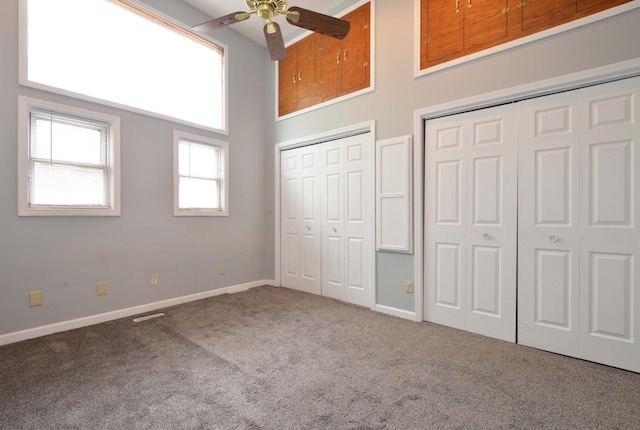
<point>365,127</point>
<point>625,69</point>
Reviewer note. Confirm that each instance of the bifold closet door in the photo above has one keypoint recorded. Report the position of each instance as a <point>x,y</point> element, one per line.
<point>327,215</point>
<point>346,177</point>
<point>579,232</point>
<point>300,220</point>
<point>471,230</point>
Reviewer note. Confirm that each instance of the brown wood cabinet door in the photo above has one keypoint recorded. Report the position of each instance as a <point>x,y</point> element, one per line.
<point>306,74</point>
<point>355,51</point>
<point>485,22</point>
<point>587,7</point>
<point>538,15</point>
<point>330,67</point>
<point>288,82</point>
<point>445,35</point>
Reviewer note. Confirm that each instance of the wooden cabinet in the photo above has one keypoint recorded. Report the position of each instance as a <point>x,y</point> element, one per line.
<point>450,29</point>
<point>320,68</point>
<point>297,77</point>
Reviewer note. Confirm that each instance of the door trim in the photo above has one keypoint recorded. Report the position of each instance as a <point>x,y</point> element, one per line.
<point>340,133</point>
<point>599,75</point>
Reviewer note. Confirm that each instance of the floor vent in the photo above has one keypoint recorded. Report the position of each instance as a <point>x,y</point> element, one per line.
<point>148,317</point>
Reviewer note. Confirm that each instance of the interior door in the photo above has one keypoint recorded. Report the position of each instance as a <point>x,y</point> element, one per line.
<point>300,220</point>
<point>471,216</point>
<point>579,293</point>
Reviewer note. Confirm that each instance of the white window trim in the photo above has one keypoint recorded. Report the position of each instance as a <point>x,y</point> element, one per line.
<point>25,104</point>
<point>24,80</point>
<point>224,188</point>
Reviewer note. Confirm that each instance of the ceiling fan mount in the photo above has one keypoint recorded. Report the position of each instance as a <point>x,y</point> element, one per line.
<point>267,9</point>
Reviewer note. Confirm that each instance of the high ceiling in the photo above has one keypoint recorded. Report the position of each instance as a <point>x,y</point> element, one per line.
<point>252,28</point>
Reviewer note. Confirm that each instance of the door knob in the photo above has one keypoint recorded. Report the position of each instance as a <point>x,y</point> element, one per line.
<point>486,236</point>
<point>335,230</point>
<point>553,238</point>
<point>308,228</point>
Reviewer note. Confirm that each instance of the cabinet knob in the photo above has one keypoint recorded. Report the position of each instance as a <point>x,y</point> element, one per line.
<point>486,236</point>
<point>335,230</point>
<point>553,238</point>
<point>308,228</point>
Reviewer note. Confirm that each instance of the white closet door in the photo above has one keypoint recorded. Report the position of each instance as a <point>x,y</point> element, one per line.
<point>347,219</point>
<point>471,218</point>
<point>300,220</point>
<point>579,289</point>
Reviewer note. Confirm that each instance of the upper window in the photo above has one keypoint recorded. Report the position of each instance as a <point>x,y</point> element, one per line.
<point>200,183</point>
<point>67,160</point>
<point>116,53</point>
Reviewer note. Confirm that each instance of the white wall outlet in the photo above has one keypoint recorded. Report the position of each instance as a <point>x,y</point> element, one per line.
<point>35,298</point>
<point>221,269</point>
<point>154,280</point>
<point>408,286</point>
<point>101,288</point>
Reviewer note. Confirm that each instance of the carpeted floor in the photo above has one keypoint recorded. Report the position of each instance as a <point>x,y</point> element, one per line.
<point>273,358</point>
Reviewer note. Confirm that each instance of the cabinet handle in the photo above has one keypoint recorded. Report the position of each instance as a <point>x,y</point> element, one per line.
<point>294,78</point>
<point>457,6</point>
<point>338,58</point>
<point>345,55</point>
<point>469,3</point>
<point>300,75</point>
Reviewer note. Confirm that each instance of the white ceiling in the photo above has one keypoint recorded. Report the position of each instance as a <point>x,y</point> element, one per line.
<point>252,28</point>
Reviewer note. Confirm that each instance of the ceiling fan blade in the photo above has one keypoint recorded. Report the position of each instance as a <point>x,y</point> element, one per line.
<point>223,21</point>
<point>318,22</point>
<point>275,43</point>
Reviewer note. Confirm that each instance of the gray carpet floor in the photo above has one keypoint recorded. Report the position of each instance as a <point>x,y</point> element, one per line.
<point>272,358</point>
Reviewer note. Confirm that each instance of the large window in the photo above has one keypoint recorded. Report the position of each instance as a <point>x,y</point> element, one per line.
<point>68,160</point>
<point>200,170</point>
<point>114,52</point>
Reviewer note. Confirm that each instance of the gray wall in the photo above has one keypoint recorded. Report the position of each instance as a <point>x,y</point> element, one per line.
<point>398,94</point>
<point>65,256</point>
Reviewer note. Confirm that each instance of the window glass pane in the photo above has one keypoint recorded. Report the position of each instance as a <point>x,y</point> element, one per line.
<point>199,194</point>
<point>100,49</point>
<point>204,161</point>
<point>55,184</point>
<point>68,142</point>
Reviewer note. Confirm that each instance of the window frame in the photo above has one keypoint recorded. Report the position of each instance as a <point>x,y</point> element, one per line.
<point>153,15</point>
<point>223,146</point>
<point>25,106</point>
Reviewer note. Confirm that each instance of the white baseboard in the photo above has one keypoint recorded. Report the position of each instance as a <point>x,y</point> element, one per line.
<point>400,313</point>
<point>122,313</point>
<point>271,282</point>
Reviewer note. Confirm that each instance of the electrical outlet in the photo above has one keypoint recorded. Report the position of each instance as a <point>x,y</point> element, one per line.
<point>408,286</point>
<point>221,269</point>
<point>154,280</point>
<point>101,288</point>
<point>35,298</point>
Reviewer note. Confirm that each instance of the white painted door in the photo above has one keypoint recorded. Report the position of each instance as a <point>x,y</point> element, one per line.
<point>471,215</point>
<point>579,288</point>
<point>300,220</point>
<point>327,216</point>
<point>347,240</point>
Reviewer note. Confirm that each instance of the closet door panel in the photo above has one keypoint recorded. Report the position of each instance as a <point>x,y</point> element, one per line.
<point>358,204</point>
<point>610,225</point>
<point>548,224</point>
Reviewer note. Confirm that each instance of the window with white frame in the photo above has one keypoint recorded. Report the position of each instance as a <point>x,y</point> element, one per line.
<point>118,53</point>
<point>200,169</point>
<point>68,160</point>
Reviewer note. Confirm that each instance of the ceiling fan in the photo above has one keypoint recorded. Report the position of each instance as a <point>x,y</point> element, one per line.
<point>267,9</point>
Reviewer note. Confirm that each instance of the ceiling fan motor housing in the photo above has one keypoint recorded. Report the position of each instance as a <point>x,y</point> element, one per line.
<point>267,7</point>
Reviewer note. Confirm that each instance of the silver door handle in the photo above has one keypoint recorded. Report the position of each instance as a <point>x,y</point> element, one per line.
<point>553,238</point>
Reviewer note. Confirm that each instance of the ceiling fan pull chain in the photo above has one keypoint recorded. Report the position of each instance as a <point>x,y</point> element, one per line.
<point>469,3</point>
<point>345,55</point>
<point>299,75</point>
<point>338,58</point>
<point>294,78</point>
<point>457,6</point>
